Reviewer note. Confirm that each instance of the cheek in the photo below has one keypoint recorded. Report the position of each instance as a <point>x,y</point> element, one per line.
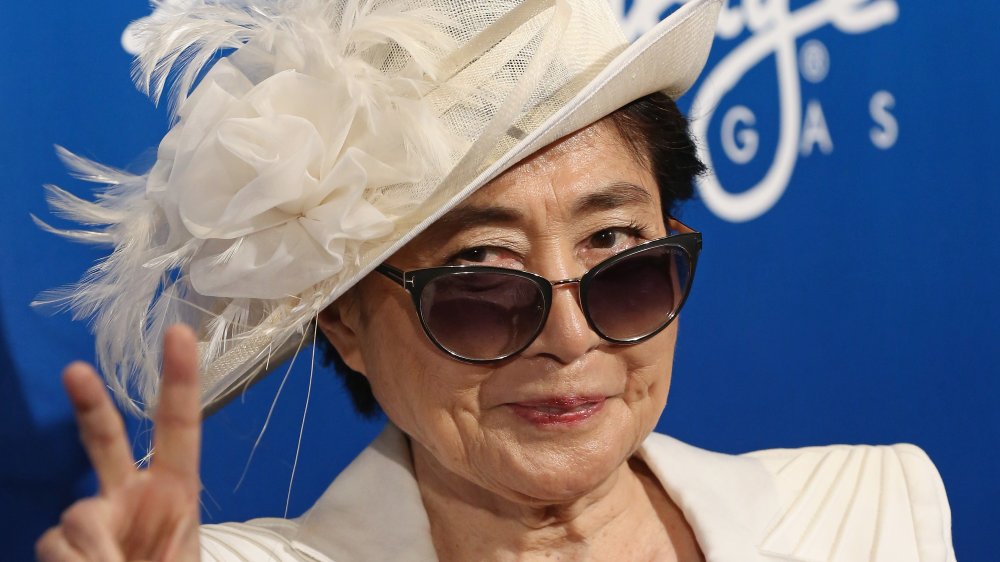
<point>428,395</point>
<point>650,368</point>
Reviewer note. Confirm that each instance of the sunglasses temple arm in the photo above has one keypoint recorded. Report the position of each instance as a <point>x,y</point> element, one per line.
<point>683,228</point>
<point>392,273</point>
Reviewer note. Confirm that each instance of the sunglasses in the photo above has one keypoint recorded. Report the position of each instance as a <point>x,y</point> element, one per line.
<point>481,314</point>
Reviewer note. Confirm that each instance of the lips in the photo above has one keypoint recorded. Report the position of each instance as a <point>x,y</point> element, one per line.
<point>563,410</point>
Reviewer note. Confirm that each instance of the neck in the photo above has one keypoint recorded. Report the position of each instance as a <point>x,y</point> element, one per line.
<point>626,517</point>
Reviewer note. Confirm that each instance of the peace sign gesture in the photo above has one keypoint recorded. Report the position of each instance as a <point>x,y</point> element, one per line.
<point>149,514</point>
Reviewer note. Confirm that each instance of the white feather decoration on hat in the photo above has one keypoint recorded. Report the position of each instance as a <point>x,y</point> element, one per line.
<point>310,140</point>
<point>260,188</point>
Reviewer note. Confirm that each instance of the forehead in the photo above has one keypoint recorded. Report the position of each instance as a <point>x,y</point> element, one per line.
<point>594,161</point>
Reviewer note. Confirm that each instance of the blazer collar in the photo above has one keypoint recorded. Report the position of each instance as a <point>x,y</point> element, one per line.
<point>729,501</point>
<point>373,510</point>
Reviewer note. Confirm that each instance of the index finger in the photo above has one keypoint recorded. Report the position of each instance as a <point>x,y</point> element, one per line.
<point>177,419</point>
<point>101,427</point>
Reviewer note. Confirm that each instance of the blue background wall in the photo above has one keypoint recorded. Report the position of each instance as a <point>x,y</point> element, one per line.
<point>859,306</point>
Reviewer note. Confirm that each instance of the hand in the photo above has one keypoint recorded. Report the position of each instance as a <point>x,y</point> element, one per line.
<point>150,514</point>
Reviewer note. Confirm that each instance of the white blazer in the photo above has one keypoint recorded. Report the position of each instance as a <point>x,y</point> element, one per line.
<point>817,504</point>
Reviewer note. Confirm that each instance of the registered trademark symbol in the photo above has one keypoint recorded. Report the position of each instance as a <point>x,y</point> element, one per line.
<point>814,61</point>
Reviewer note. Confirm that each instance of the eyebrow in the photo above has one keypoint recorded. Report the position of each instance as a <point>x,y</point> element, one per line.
<point>609,197</point>
<point>473,216</point>
<point>612,196</point>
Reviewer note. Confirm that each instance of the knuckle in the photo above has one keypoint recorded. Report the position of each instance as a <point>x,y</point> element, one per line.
<point>79,515</point>
<point>46,545</point>
<point>177,420</point>
<point>101,436</point>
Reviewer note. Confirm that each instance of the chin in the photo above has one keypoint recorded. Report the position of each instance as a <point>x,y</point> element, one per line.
<point>564,482</point>
<point>564,467</point>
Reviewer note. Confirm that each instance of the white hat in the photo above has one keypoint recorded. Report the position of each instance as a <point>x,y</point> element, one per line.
<point>314,138</point>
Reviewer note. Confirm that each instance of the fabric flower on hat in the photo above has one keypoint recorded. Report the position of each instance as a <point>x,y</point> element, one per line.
<point>300,130</point>
<point>267,176</point>
<point>270,179</point>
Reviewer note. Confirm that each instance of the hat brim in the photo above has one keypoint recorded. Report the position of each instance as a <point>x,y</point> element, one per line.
<point>668,58</point>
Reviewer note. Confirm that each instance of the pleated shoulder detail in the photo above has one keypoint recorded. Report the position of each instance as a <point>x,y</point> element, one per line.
<point>259,540</point>
<point>858,503</point>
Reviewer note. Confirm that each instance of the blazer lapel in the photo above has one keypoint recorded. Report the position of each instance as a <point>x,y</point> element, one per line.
<point>372,511</point>
<point>730,501</point>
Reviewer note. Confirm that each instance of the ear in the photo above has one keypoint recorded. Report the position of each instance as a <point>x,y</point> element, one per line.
<point>340,323</point>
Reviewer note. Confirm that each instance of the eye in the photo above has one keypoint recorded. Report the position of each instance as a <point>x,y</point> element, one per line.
<point>484,255</point>
<point>605,238</point>
<point>473,255</point>
<point>613,238</point>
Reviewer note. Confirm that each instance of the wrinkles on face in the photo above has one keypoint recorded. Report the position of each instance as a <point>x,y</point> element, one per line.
<point>556,214</point>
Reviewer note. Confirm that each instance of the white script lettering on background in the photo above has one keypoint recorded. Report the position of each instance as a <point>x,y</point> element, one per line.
<point>774,29</point>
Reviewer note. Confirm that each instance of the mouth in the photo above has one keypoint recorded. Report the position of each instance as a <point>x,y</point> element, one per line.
<point>563,410</point>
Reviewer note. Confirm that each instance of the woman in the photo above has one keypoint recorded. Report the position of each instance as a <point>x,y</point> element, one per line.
<point>471,201</point>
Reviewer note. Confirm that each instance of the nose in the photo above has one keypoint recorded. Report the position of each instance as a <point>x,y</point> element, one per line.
<point>566,335</point>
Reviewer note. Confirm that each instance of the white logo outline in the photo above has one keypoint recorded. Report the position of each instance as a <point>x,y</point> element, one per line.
<point>774,29</point>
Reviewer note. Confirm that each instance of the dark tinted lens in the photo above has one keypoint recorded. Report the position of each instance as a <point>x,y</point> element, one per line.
<point>639,294</point>
<point>481,315</point>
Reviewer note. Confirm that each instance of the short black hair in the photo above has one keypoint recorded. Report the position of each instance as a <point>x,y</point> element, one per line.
<point>657,133</point>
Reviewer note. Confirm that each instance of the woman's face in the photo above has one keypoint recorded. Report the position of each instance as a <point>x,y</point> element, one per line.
<point>553,422</point>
